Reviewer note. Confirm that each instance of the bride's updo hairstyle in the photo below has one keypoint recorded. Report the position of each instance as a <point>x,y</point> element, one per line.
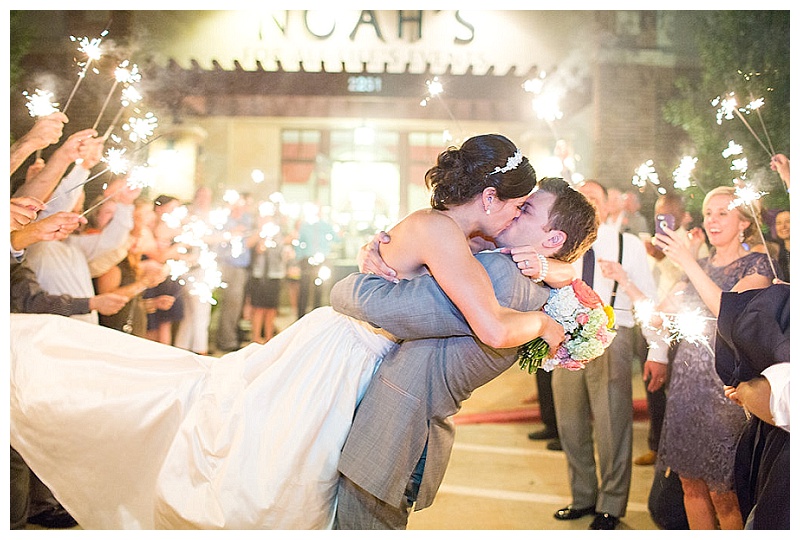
<point>483,161</point>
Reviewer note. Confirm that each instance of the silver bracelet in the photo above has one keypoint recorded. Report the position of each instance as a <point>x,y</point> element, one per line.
<point>543,268</point>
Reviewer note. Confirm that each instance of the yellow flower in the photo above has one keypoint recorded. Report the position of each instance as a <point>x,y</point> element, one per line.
<point>610,314</point>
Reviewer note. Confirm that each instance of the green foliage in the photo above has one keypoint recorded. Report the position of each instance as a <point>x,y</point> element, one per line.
<point>20,35</point>
<point>745,52</point>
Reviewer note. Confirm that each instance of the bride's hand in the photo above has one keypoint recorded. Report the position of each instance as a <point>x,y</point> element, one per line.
<point>552,332</point>
<point>370,261</point>
<point>527,259</point>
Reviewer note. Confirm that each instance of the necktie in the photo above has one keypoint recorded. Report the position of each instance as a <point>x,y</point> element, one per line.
<point>588,267</point>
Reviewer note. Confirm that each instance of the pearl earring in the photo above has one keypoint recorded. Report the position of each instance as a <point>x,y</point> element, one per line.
<point>741,237</point>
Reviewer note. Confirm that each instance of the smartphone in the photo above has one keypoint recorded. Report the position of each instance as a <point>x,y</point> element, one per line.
<point>664,221</point>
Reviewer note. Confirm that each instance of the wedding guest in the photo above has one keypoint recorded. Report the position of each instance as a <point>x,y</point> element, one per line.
<point>597,402</point>
<point>633,221</point>
<point>701,427</point>
<point>752,359</point>
<point>63,266</point>
<point>267,271</point>
<point>192,332</point>
<point>783,232</point>
<point>233,256</point>
<point>164,302</point>
<point>132,275</point>
<point>666,274</point>
<point>314,244</point>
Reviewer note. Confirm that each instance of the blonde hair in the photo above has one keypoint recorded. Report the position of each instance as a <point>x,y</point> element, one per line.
<point>743,209</point>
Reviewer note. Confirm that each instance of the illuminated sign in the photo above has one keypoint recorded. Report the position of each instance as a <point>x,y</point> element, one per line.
<point>364,84</point>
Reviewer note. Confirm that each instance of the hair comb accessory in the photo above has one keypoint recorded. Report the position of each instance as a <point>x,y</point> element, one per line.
<point>512,163</point>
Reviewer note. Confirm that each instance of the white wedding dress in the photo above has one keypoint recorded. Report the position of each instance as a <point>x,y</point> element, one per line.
<point>132,434</point>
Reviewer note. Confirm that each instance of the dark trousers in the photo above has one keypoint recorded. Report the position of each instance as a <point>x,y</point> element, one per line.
<point>547,408</point>
<point>656,401</point>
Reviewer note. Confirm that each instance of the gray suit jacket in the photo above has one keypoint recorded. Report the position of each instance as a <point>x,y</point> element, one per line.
<point>423,382</point>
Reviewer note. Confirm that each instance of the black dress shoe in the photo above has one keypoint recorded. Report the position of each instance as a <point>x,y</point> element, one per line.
<point>543,435</point>
<point>54,518</point>
<point>573,513</point>
<point>604,522</point>
<point>555,444</point>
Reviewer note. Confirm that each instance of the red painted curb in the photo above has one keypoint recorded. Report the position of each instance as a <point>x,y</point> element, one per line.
<point>530,414</point>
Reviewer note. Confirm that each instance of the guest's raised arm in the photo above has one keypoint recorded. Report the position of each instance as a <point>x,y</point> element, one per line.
<point>46,131</point>
<point>43,184</point>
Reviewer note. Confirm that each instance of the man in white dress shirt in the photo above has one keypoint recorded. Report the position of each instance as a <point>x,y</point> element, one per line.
<point>595,405</point>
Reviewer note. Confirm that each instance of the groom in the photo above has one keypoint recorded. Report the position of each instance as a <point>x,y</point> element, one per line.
<point>399,444</point>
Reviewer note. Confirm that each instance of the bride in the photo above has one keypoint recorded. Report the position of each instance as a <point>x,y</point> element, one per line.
<point>133,434</point>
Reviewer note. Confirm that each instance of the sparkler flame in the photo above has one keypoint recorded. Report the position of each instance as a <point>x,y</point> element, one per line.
<point>645,173</point>
<point>130,95</point>
<point>733,149</point>
<point>745,195</point>
<point>40,103</point>
<point>89,47</point>
<point>117,164</point>
<point>126,75</point>
<point>727,107</point>
<point>141,177</point>
<point>683,173</point>
<point>141,128</point>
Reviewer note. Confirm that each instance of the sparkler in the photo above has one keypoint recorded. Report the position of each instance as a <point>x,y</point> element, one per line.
<point>747,195</point>
<point>204,277</point>
<point>544,104</point>
<point>40,104</point>
<point>129,95</point>
<point>683,173</point>
<point>91,48</point>
<point>123,74</point>
<point>647,173</point>
<point>435,90</point>
<point>728,107</point>
<point>141,128</point>
<point>688,326</point>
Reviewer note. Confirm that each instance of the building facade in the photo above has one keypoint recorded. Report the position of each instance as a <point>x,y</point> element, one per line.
<point>348,109</point>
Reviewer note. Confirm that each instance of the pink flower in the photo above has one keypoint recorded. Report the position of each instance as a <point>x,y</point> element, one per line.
<point>582,318</point>
<point>572,365</point>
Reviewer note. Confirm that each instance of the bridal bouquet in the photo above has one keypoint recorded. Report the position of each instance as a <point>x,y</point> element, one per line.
<point>588,328</point>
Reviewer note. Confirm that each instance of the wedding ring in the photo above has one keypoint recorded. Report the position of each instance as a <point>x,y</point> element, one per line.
<point>526,263</point>
<point>666,249</point>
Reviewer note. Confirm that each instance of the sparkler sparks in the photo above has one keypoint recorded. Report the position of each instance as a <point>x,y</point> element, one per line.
<point>683,173</point>
<point>435,90</point>
<point>91,48</point>
<point>647,173</point>
<point>125,75</point>
<point>141,128</point>
<point>40,103</point>
<point>141,177</point>
<point>728,107</point>
<point>117,164</point>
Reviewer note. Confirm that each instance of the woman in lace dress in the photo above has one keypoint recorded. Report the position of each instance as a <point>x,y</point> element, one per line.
<point>701,426</point>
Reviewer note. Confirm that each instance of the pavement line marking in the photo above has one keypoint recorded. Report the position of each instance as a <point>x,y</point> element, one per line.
<point>506,450</point>
<point>521,496</point>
